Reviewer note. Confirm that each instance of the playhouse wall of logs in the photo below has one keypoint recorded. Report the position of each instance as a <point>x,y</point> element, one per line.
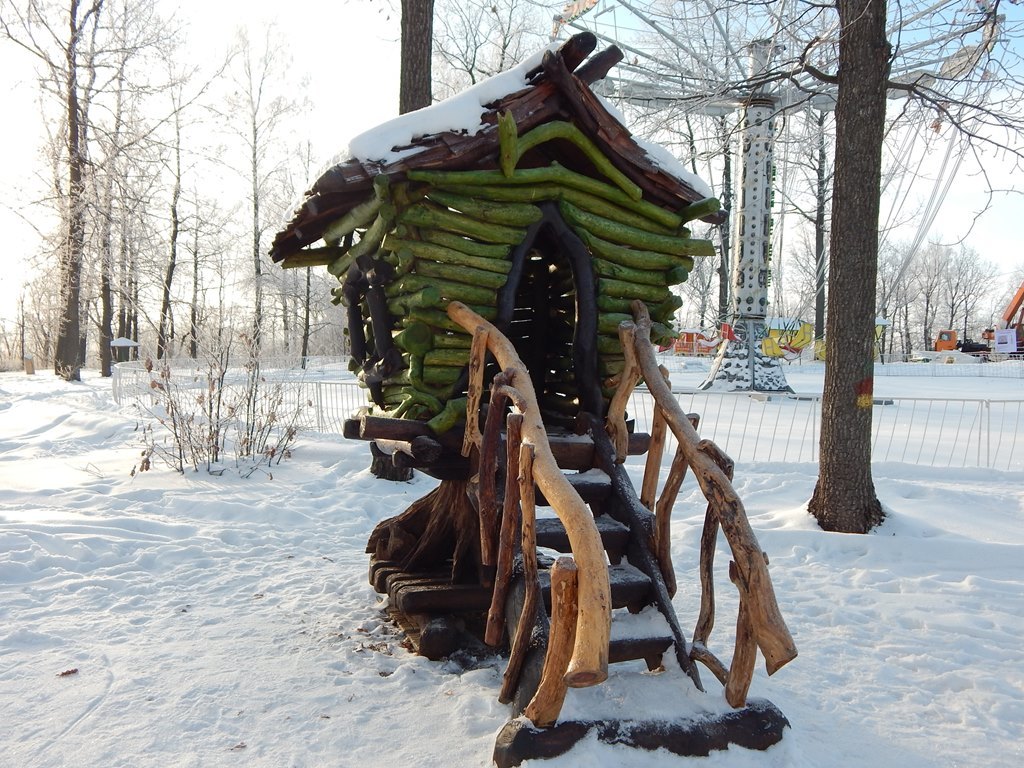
<point>502,288</point>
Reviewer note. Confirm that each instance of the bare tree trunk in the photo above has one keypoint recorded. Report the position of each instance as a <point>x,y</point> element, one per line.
<point>166,328</point>
<point>417,36</point>
<point>67,358</point>
<point>193,333</point>
<point>844,498</point>
<point>257,318</point>
<point>305,319</point>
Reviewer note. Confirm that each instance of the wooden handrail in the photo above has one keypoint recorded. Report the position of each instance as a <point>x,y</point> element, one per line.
<point>760,618</point>
<point>589,663</point>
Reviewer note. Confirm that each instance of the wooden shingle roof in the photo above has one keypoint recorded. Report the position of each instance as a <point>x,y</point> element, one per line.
<point>557,90</point>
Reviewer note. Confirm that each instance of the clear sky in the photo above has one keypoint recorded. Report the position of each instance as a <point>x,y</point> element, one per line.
<point>347,51</point>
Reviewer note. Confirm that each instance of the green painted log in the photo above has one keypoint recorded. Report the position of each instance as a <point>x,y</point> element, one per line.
<point>454,412</point>
<point>447,358</point>
<point>359,216</point>
<point>610,366</point>
<point>439,391</point>
<point>610,269</point>
<point>467,294</point>
<point>441,377</point>
<point>608,345</point>
<point>637,213</point>
<point>676,275</point>
<point>666,310</point>
<point>448,341</point>
<point>566,131</point>
<point>441,320</point>
<point>460,243</point>
<point>440,253</point>
<point>368,243</point>
<point>508,140</point>
<point>457,273</point>
<point>608,322</point>
<point>507,214</point>
<point>632,257</point>
<point>312,257</point>
<point>556,175</point>
<point>416,338</point>
<point>433,218</point>
<point>402,260</point>
<point>427,297</point>
<point>638,238</point>
<point>425,404</point>
<point>700,209</point>
<point>619,289</point>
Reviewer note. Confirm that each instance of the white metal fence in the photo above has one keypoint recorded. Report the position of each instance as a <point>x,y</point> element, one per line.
<point>748,426</point>
<point>913,430</point>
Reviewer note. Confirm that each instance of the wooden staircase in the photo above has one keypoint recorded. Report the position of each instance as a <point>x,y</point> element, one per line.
<point>553,605</point>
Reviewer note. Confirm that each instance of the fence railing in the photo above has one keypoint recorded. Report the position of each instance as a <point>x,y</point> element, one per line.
<point>936,432</point>
<point>750,427</point>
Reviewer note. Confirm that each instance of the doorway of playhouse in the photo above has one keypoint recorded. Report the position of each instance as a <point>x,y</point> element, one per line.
<point>548,311</point>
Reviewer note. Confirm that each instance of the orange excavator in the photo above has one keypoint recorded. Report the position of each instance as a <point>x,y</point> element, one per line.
<point>1008,337</point>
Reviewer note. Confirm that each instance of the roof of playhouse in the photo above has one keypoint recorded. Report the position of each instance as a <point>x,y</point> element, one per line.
<point>462,133</point>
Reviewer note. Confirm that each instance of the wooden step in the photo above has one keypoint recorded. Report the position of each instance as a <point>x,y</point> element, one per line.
<point>629,586</point>
<point>576,452</point>
<point>432,593</point>
<point>631,648</point>
<point>593,486</point>
<point>614,536</point>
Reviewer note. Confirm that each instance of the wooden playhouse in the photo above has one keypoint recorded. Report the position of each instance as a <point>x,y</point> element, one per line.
<point>502,283</point>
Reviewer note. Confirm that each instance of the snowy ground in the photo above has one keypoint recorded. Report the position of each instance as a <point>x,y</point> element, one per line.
<point>215,621</point>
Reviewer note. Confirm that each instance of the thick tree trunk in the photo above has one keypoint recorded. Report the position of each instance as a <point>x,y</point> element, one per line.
<point>67,357</point>
<point>844,498</point>
<point>417,35</point>
<point>819,234</point>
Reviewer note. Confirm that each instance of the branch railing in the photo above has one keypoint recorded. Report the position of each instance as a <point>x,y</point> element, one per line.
<point>759,623</point>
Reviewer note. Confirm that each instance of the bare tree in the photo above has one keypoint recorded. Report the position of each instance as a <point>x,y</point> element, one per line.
<point>64,49</point>
<point>257,110</point>
<point>929,275</point>
<point>475,39</point>
<point>966,280</point>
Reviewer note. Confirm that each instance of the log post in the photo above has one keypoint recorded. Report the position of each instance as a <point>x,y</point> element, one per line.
<point>521,641</point>
<point>487,465</point>
<point>509,526</point>
<point>589,664</point>
<point>547,702</point>
<point>477,361</point>
<point>708,539</point>
<point>615,424</point>
<point>741,671</point>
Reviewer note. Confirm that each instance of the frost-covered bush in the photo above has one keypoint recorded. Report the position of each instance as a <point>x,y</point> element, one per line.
<point>207,416</point>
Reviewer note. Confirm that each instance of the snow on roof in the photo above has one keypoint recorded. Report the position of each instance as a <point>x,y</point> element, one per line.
<point>669,163</point>
<point>461,114</point>
<point>458,114</point>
